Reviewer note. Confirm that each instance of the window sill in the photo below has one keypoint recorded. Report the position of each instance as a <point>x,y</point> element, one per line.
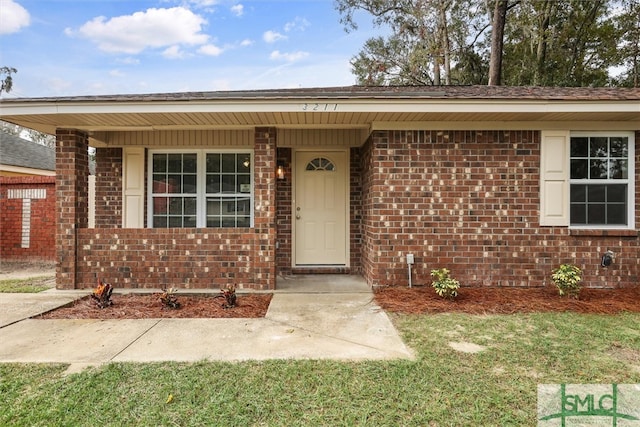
<point>603,233</point>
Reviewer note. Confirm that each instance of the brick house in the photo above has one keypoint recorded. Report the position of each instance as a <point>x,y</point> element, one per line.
<point>198,190</point>
<point>27,200</point>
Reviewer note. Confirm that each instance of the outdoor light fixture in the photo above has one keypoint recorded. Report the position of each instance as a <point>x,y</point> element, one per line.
<point>280,170</point>
<point>607,259</point>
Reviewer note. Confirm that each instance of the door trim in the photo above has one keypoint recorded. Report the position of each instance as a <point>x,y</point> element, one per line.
<point>347,189</point>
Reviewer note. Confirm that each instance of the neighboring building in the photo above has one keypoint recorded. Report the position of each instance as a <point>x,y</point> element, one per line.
<point>27,199</point>
<point>498,184</point>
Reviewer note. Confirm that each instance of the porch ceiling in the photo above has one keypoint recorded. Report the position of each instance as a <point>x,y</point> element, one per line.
<point>353,107</point>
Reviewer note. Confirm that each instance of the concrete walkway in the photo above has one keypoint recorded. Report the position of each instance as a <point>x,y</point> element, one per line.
<point>310,317</point>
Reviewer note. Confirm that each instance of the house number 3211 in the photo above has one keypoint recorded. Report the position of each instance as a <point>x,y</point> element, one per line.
<point>319,107</point>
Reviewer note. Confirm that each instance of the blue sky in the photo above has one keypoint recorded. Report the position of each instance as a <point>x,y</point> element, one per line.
<point>79,47</point>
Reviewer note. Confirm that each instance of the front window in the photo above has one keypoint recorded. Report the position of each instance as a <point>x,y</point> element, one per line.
<point>200,189</point>
<point>601,180</point>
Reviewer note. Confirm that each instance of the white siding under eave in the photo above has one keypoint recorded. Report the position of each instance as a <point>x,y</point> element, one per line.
<point>182,138</point>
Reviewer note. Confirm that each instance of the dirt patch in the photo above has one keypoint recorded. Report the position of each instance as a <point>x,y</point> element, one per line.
<point>466,347</point>
<point>148,306</point>
<point>423,299</point>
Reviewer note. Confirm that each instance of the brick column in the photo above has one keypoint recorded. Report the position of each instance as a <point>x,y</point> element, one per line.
<point>72,172</point>
<point>264,253</point>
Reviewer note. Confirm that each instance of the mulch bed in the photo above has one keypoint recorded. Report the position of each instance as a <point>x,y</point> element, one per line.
<point>423,299</point>
<point>148,306</point>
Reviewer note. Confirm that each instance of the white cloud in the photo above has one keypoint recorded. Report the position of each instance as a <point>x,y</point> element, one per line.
<point>273,36</point>
<point>12,17</point>
<point>237,9</point>
<point>276,55</point>
<point>210,50</point>
<point>246,42</point>
<point>298,24</point>
<point>128,61</point>
<point>153,28</point>
<point>173,52</point>
<point>116,73</point>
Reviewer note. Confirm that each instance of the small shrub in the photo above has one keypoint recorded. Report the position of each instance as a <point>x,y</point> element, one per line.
<point>567,279</point>
<point>445,286</point>
<point>102,294</point>
<point>229,295</point>
<point>169,299</point>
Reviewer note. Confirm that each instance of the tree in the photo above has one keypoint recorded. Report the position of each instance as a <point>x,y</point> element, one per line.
<point>560,43</point>
<point>497,41</point>
<point>628,24</point>
<point>426,37</point>
<point>512,42</point>
<point>6,84</point>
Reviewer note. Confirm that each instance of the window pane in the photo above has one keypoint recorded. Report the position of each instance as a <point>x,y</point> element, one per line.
<point>175,184</point>
<point>244,163</point>
<point>616,214</point>
<point>213,221</point>
<point>619,147</point>
<point>213,184</point>
<point>599,147</point>
<point>579,147</point>
<point>578,214</point>
<point>244,221</point>
<point>189,184</point>
<point>596,193</point>
<point>160,205</point>
<point>228,221</point>
<point>244,184</point>
<point>617,193</point>
<point>596,213</point>
<point>190,162</point>
<point>190,207</point>
<point>243,206</point>
<point>618,169</point>
<point>214,207</point>
<point>175,221</point>
<point>175,163</point>
<point>229,163</point>
<point>160,184</point>
<point>579,169</point>
<point>578,193</point>
<point>213,163</point>
<point>175,206</point>
<point>159,162</point>
<point>189,221</point>
<point>228,183</point>
<point>159,222</point>
<point>598,169</point>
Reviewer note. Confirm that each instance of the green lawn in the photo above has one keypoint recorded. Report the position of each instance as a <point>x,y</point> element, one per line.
<point>495,387</point>
<point>30,285</point>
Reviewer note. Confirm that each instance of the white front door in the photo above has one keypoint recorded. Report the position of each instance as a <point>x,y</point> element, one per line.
<point>320,208</point>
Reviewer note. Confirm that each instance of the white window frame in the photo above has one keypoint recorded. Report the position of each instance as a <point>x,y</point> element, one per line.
<point>630,181</point>
<point>201,195</point>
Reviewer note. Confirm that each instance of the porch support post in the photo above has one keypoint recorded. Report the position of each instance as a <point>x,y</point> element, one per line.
<point>72,177</point>
<point>264,252</point>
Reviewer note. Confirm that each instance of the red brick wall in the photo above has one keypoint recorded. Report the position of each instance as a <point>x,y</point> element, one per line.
<point>469,201</point>
<point>42,222</point>
<point>187,258</point>
<point>109,187</point>
<point>283,214</point>
<point>72,195</point>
